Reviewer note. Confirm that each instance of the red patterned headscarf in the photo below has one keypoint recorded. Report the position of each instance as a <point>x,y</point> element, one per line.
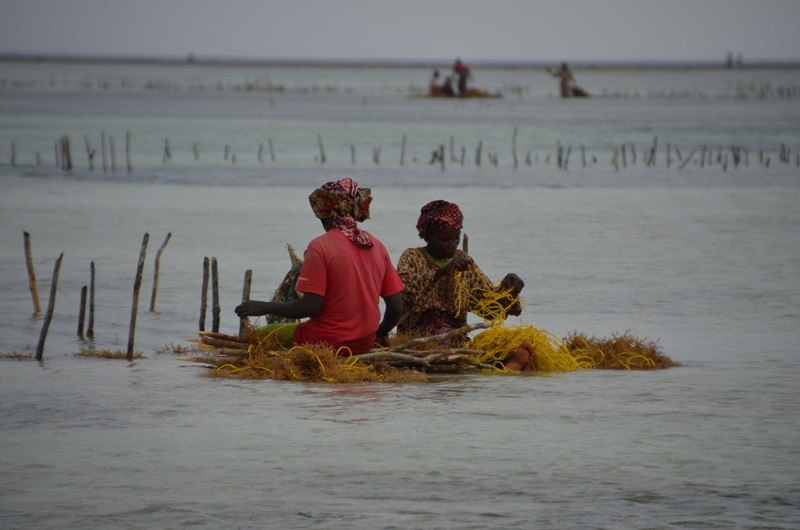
<point>438,215</point>
<point>344,202</point>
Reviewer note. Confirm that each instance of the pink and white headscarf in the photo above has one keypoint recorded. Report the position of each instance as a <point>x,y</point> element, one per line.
<point>346,203</point>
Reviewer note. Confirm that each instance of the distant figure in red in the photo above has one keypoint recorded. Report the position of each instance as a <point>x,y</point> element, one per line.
<point>433,87</point>
<point>567,85</point>
<point>462,73</point>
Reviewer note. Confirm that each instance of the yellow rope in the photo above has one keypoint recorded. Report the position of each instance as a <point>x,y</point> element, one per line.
<point>490,303</point>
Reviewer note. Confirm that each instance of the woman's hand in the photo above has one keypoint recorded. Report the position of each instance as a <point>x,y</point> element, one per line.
<point>251,308</point>
<point>513,283</point>
<point>460,263</point>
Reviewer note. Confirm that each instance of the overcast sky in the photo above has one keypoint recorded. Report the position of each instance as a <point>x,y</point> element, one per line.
<point>475,30</point>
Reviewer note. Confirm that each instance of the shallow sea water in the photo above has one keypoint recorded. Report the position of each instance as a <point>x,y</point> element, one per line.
<point>705,261</point>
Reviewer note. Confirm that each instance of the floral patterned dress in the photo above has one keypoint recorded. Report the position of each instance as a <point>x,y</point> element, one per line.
<point>431,307</point>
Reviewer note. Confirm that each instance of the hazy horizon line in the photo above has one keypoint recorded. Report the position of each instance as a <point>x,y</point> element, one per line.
<point>389,62</point>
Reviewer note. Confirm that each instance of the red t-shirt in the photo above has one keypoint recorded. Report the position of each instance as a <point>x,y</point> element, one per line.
<point>351,279</point>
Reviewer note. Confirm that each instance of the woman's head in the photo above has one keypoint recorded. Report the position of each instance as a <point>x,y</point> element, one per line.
<point>341,198</point>
<point>339,204</point>
<point>438,215</point>
<point>440,225</point>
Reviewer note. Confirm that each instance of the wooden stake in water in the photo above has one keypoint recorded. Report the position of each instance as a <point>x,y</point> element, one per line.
<point>66,154</point>
<point>90,324</point>
<point>50,306</point>
<point>135,304</point>
<point>403,150</point>
<point>514,147</point>
<point>204,296</point>
<point>82,311</point>
<point>248,280</point>
<point>31,273</point>
<point>113,152</point>
<point>155,271</point>
<point>167,151</point>
<point>321,149</point>
<point>214,296</point>
<point>89,151</point>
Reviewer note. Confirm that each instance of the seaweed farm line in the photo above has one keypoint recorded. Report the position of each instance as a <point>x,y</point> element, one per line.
<point>441,156</point>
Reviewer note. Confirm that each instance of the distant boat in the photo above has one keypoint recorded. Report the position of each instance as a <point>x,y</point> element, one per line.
<point>471,93</point>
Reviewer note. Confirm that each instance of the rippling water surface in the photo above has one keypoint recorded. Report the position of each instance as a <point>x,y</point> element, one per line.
<point>704,259</point>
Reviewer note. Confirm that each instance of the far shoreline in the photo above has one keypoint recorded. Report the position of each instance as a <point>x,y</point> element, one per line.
<point>395,63</point>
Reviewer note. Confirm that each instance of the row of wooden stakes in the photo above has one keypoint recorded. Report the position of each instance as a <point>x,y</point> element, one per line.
<point>89,292</point>
<point>623,154</point>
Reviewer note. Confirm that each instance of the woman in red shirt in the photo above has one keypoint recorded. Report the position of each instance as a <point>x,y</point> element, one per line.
<point>345,273</point>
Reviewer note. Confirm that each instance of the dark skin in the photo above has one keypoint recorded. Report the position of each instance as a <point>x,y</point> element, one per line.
<point>311,304</point>
<point>443,245</point>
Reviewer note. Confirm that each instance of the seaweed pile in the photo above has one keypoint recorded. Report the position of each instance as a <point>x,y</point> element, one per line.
<point>258,356</point>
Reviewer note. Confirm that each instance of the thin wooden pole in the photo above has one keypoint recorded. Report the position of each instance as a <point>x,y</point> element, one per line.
<point>113,152</point>
<point>13,154</point>
<point>90,325</point>
<point>271,150</point>
<point>514,147</point>
<point>89,151</point>
<point>135,304</point>
<point>31,273</point>
<point>214,295</point>
<point>167,151</point>
<point>403,150</point>
<point>82,311</point>
<point>204,296</point>
<point>248,280</point>
<point>651,159</point>
<point>67,157</point>
<point>155,271</point>
<point>50,306</point>
<point>321,149</point>
<point>559,154</point>
<point>687,159</point>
